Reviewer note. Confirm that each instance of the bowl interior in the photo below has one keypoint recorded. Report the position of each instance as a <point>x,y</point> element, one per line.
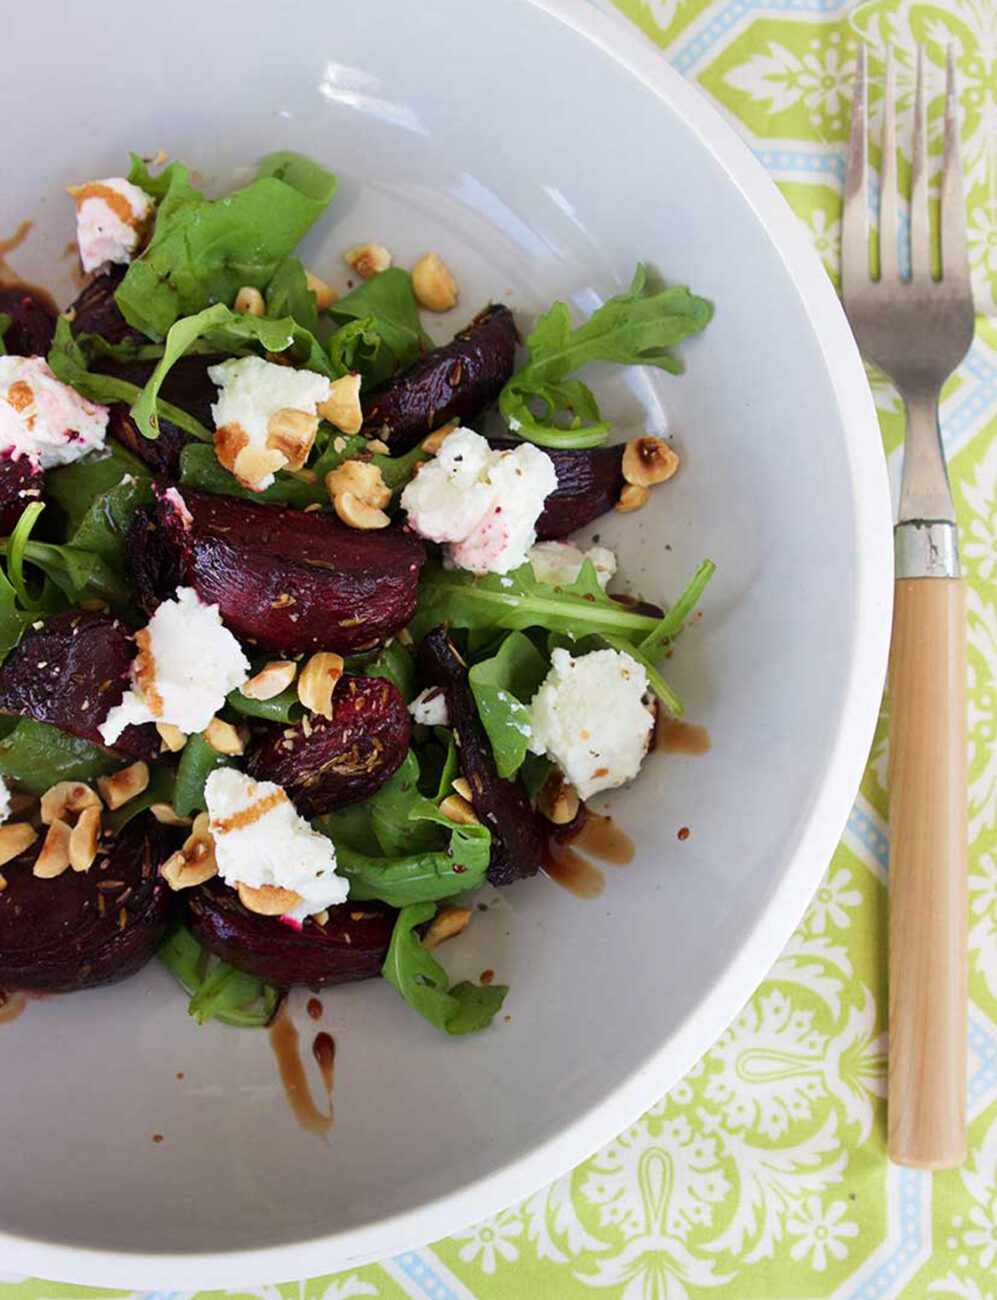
<point>539,167</point>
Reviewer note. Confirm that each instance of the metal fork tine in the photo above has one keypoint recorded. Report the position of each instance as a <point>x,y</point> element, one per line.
<point>955,259</point>
<point>888,267</point>
<point>920,216</point>
<point>855,219</point>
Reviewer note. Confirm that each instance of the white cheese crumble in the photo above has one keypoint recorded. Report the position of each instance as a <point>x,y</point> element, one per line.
<point>430,708</point>
<point>110,217</point>
<point>188,661</point>
<point>43,418</point>
<point>260,839</point>
<point>558,564</point>
<point>482,504</point>
<point>252,390</point>
<point>590,717</point>
<point>4,800</point>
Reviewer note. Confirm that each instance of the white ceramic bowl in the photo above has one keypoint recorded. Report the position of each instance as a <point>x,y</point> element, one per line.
<point>542,148</point>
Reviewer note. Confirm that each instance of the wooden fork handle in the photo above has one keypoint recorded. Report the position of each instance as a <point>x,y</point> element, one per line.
<point>928,874</point>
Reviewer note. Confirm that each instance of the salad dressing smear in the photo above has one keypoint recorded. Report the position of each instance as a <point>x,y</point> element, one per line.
<point>673,736</point>
<point>286,1044</point>
<point>598,836</point>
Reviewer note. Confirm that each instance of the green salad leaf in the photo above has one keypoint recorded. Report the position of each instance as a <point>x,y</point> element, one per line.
<point>203,251</point>
<point>198,760</point>
<point>637,327</point>
<point>357,346</point>
<point>37,756</point>
<point>658,641</point>
<point>502,687</point>
<point>162,783</point>
<point>218,991</point>
<point>288,294</point>
<point>4,327</point>
<point>100,495</point>
<point>425,986</point>
<point>200,468</point>
<point>394,663</point>
<point>285,707</point>
<point>386,305</point>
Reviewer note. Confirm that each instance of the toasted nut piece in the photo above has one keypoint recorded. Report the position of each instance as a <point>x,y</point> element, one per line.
<point>65,800</point>
<point>272,678</point>
<point>463,787</point>
<point>325,294</point>
<point>558,800</point>
<point>195,862</point>
<point>124,785</point>
<point>406,638</point>
<point>224,737</point>
<point>648,460</point>
<point>378,447</point>
<point>3,882</point>
<point>318,681</point>
<point>434,441</point>
<point>83,839</point>
<point>254,464</point>
<point>632,498</point>
<point>433,285</point>
<point>447,923</point>
<point>15,837</point>
<point>163,812</point>
<point>342,407</point>
<point>250,300</point>
<point>357,513</point>
<point>361,478</point>
<point>367,259</point>
<point>54,857</point>
<point>268,900</point>
<point>229,441</point>
<point>292,433</point>
<point>172,737</point>
<point>320,918</point>
<point>455,808</point>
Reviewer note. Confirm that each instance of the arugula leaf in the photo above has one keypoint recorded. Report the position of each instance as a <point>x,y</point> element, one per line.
<point>388,302</point>
<point>223,330</point>
<point>425,986</point>
<point>198,760</point>
<point>37,756</point>
<point>285,707</point>
<point>399,848</point>
<point>200,468</point>
<point>657,642</point>
<point>516,601</point>
<point>162,781</point>
<point>395,664</point>
<point>218,991</point>
<point>100,495</point>
<point>203,251</point>
<point>68,363</point>
<point>4,327</point>
<point>502,687</point>
<point>357,346</point>
<point>637,327</point>
<point>288,294</point>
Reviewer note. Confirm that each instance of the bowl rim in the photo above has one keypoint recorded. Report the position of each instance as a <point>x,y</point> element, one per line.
<point>872,522</point>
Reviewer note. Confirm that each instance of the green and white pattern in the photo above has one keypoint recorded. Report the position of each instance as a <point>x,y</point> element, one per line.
<point>763,1173</point>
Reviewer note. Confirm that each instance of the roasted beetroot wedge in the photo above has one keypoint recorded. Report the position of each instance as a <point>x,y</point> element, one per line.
<point>187,386</point>
<point>96,312</point>
<point>85,927</point>
<point>32,321</point>
<point>154,568</point>
<point>69,672</point>
<point>454,382</point>
<point>351,945</point>
<point>327,764</point>
<point>290,581</point>
<point>589,483</point>
<point>501,805</point>
<point>21,482</point>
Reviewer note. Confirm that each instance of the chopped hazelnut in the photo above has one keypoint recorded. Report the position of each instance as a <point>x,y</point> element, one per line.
<point>648,460</point>
<point>124,785</point>
<point>317,682</point>
<point>367,259</point>
<point>272,678</point>
<point>433,285</point>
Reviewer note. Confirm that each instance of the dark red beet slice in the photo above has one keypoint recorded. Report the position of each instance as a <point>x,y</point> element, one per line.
<point>330,764</point>
<point>351,945</point>
<point>290,581</point>
<point>187,385</point>
<point>154,568</point>
<point>69,672</point>
<point>21,482</point>
<point>32,321</point>
<point>85,927</point>
<point>96,312</point>
<point>589,483</point>
<point>454,382</point>
<point>501,805</point>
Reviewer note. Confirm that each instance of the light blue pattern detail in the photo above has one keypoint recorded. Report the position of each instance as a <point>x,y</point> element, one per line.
<point>983,1083</point>
<point>870,836</point>
<point>687,56</point>
<point>418,1269</point>
<point>913,1186</point>
<point>812,163</point>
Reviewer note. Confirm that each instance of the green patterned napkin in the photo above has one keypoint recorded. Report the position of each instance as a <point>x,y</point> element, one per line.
<point>763,1173</point>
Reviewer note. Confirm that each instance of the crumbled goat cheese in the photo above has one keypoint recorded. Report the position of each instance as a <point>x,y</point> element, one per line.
<point>430,708</point>
<point>558,564</point>
<point>44,419</point>
<point>111,216</point>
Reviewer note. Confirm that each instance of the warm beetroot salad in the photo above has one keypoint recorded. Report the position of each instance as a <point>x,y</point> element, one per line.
<point>296,649</point>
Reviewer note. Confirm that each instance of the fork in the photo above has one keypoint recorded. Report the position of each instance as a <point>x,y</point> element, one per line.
<point>917,330</point>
